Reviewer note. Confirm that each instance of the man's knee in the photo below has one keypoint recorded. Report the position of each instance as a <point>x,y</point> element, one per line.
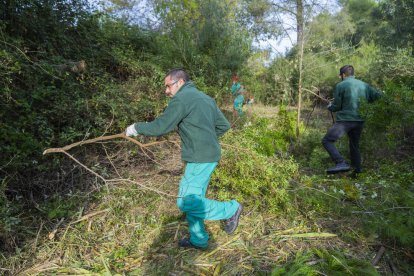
<point>325,140</point>
<point>189,202</point>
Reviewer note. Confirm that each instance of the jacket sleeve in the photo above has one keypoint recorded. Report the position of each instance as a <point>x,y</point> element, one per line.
<point>165,123</point>
<point>222,125</point>
<point>373,94</point>
<point>337,102</point>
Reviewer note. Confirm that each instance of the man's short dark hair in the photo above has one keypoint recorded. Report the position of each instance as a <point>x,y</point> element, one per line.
<point>177,74</point>
<point>348,70</point>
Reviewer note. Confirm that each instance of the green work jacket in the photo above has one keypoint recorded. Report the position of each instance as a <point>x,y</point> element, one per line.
<point>236,89</point>
<point>199,121</point>
<point>347,97</point>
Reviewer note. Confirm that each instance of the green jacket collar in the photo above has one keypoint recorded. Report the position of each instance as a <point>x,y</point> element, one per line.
<point>350,77</point>
<point>187,84</point>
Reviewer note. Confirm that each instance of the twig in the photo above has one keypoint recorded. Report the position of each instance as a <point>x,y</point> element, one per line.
<point>176,232</point>
<point>110,161</point>
<point>53,233</point>
<point>37,237</point>
<point>309,116</point>
<point>85,217</point>
<point>83,166</point>
<point>116,180</point>
<point>224,245</point>
<point>309,235</point>
<point>378,256</point>
<point>233,124</point>
<point>2,167</point>
<point>26,57</point>
<point>142,186</point>
<point>392,266</point>
<point>304,187</point>
<point>310,91</point>
<point>111,122</point>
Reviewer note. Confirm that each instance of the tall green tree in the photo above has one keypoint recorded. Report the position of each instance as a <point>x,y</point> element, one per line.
<point>291,16</point>
<point>397,30</point>
<point>365,16</point>
<point>204,36</point>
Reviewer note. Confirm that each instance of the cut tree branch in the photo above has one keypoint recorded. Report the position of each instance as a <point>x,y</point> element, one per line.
<point>101,138</point>
<point>104,138</point>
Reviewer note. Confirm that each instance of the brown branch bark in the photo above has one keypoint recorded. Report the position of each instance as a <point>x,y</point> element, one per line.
<point>316,95</point>
<point>101,138</point>
<point>378,256</point>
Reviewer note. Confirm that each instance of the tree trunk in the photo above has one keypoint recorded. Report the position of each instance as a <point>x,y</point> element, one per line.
<point>300,42</point>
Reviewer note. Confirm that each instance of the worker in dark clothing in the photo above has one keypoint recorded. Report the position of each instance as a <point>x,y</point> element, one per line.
<point>347,97</point>
<point>200,123</point>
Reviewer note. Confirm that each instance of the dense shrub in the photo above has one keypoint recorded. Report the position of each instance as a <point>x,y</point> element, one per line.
<point>394,210</point>
<point>390,121</point>
<point>257,172</point>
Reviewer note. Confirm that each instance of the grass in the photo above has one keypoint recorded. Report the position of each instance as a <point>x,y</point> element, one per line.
<point>333,225</point>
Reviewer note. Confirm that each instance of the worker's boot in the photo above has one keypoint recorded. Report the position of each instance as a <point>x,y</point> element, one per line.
<point>339,167</point>
<point>232,223</point>
<point>186,243</point>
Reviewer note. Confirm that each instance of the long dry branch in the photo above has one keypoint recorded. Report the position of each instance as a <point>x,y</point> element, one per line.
<point>104,138</point>
<point>101,138</point>
<point>318,96</point>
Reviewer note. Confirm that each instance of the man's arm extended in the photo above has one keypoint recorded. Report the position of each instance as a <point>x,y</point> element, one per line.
<point>165,123</point>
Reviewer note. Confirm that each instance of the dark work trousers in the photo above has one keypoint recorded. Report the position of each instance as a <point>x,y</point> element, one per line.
<point>339,129</point>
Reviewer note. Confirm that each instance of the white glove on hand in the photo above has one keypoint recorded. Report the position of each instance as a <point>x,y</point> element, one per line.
<point>131,131</point>
<point>329,105</point>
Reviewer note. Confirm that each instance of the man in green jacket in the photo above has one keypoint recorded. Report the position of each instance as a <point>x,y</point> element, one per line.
<point>200,122</point>
<point>347,97</point>
<point>237,91</point>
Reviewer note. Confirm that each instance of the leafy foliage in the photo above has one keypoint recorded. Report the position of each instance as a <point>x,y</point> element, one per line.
<point>254,174</point>
<point>212,48</point>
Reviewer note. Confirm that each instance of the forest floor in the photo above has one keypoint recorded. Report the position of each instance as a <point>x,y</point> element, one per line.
<point>123,229</point>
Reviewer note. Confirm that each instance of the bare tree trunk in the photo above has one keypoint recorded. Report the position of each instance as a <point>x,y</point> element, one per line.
<point>300,42</point>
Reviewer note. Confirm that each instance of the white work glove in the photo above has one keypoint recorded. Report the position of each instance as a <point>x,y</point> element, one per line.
<point>131,131</point>
<point>329,105</point>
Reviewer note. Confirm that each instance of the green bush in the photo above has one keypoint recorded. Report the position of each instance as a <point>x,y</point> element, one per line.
<point>9,218</point>
<point>257,173</point>
<point>254,179</point>
<point>269,136</point>
<point>390,120</point>
<point>390,196</point>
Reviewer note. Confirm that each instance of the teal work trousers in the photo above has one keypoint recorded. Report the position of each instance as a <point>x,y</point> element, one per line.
<point>238,104</point>
<point>196,206</point>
